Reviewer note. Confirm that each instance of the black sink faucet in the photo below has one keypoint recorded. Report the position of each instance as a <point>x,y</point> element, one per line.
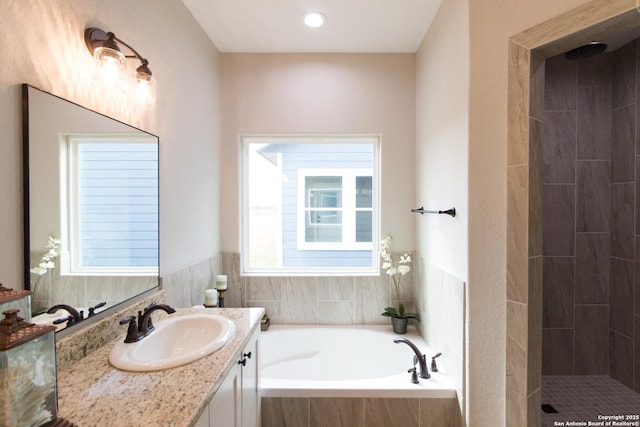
<point>145,324</point>
<point>421,358</point>
<point>74,317</point>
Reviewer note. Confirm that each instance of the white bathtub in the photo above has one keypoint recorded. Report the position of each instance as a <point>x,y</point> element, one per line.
<point>344,361</point>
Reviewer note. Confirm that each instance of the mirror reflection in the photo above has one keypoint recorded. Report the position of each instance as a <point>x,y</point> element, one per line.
<point>91,209</point>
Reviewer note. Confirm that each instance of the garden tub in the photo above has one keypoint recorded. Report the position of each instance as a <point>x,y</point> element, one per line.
<point>345,361</point>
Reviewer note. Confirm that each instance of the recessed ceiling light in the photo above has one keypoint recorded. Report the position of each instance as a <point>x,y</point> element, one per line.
<point>314,19</point>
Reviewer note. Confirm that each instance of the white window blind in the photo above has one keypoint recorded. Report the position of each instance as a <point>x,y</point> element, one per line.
<point>113,201</point>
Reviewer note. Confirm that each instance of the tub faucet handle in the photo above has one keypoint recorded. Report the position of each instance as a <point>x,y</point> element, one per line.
<point>434,367</point>
<point>414,375</point>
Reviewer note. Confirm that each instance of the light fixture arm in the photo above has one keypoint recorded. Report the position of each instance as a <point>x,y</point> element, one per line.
<point>95,37</point>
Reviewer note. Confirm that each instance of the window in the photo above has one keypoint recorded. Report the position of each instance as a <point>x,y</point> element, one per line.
<point>112,202</point>
<point>335,209</point>
<point>310,204</point>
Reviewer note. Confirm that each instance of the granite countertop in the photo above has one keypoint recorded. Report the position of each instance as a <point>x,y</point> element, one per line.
<point>91,392</point>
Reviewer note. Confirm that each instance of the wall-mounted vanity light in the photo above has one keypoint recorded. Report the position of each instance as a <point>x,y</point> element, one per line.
<point>105,47</point>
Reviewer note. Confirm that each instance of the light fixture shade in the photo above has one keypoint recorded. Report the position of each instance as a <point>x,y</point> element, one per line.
<point>111,63</point>
<point>145,91</point>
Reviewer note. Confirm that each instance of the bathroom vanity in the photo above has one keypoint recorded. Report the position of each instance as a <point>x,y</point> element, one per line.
<point>218,390</point>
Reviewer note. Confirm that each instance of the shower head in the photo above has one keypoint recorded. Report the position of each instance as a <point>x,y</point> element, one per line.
<point>586,51</point>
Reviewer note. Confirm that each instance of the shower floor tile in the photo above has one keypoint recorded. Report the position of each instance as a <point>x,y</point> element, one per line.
<point>582,398</point>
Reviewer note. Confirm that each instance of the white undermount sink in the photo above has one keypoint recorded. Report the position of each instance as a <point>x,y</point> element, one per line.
<point>176,341</point>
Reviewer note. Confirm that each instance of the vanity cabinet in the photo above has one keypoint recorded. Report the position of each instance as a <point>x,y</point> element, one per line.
<point>237,401</point>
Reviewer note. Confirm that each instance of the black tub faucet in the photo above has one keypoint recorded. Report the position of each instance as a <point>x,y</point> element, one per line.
<point>421,358</point>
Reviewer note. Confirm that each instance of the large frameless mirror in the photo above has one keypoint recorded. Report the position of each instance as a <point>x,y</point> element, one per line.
<point>91,212</point>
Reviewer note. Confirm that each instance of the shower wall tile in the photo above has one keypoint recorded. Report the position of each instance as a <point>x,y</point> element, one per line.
<point>621,299</point>
<point>591,340</point>
<point>517,232</point>
<point>637,194</point>
<point>533,408</point>
<point>557,352</point>
<point>621,358</point>
<point>595,71</point>
<point>559,219</point>
<point>592,197</point>
<point>637,278</point>
<point>516,362</point>
<point>536,86</point>
<point>622,220</point>
<point>623,144</point>
<point>592,268</point>
<point>636,354</point>
<point>534,324</point>
<point>560,84</point>
<point>594,123</point>
<point>558,291</point>
<point>517,92</point>
<point>559,147</point>
<point>536,130</point>
<point>624,75</point>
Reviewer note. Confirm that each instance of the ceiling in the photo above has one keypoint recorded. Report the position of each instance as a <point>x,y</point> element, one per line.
<point>367,26</point>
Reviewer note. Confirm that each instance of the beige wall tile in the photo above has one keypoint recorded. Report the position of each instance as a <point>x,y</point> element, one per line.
<point>336,413</point>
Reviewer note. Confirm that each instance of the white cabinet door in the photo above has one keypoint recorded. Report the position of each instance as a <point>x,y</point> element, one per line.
<point>225,407</point>
<point>250,396</point>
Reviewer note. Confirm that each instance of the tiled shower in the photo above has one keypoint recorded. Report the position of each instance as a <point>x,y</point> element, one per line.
<point>591,231</point>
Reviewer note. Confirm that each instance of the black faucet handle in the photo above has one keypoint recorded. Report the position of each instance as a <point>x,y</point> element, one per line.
<point>434,367</point>
<point>414,375</point>
<point>92,310</point>
<point>132,331</point>
<point>68,319</point>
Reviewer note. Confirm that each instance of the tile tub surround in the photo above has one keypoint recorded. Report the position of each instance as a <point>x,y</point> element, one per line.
<point>360,412</point>
<point>318,300</point>
<point>93,393</point>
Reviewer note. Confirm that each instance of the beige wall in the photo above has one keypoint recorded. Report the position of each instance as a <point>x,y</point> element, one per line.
<point>492,23</point>
<point>41,43</point>
<point>330,93</point>
<point>445,54</point>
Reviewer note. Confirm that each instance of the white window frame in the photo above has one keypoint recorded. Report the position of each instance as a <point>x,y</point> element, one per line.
<point>244,140</point>
<point>69,253</point>
<point>348,209</point>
